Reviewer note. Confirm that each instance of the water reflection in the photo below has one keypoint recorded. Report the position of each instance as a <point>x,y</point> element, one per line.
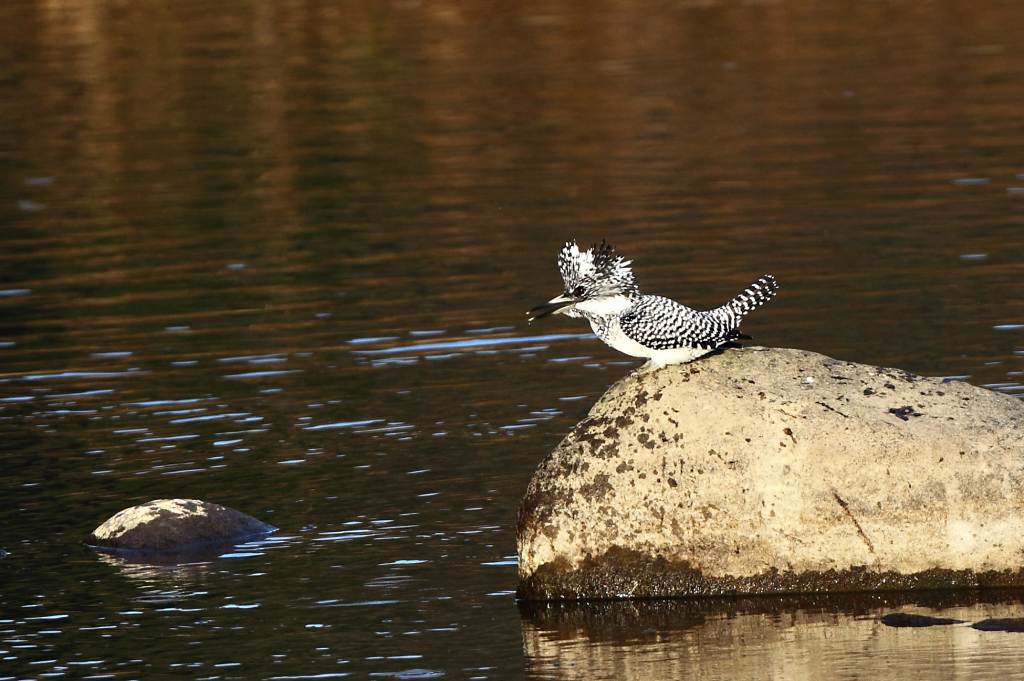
<point>161,585</point>
<point>796,638</point>
<point>277,254</point>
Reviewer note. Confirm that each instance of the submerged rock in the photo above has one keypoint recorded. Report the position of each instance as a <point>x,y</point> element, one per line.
<point>774,470</point>
<point>175,525</point>
<point>1015,624</point>
<point>914,620</point>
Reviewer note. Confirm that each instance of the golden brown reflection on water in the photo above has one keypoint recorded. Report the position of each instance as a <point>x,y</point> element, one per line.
<point>440,151</point>
<point>278,255</point>
<point>793,638</point>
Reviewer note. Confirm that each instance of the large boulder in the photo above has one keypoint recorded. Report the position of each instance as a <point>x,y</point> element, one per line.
<point>175,525</point>
<point>774,470</point>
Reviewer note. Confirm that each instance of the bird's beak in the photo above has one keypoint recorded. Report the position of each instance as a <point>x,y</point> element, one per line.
<point>553,306</point>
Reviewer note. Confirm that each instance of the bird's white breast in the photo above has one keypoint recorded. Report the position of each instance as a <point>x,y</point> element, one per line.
<point>615,338</point>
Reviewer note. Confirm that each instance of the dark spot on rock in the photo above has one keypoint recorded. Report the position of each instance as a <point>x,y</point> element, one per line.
<point>598,488</point>
<point>672,482</point>
<point>869,391</point>
<point>890,386</point>
<point>588,431</point>
<point>536,508</point>
<point>789,432</point>
<point>904,413</point>
<point>623,467</point>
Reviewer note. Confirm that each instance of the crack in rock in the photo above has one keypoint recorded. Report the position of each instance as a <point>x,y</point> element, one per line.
<point>860,530</point>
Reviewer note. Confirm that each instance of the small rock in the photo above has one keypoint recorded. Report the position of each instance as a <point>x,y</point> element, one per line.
<point>175,525</point>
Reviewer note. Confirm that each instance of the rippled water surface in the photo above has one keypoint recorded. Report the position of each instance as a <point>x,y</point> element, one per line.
<point>277,255</point>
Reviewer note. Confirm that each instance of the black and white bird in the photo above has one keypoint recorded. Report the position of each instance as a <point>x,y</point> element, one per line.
<point>600,287</point>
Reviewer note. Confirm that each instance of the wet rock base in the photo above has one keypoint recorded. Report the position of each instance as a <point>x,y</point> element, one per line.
<point>621,573</point>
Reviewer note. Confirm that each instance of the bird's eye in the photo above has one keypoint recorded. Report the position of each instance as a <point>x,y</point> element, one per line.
<point>579,291</point>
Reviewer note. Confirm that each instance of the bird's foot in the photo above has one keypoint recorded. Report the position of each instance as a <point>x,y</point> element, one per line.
<point>650,366</point>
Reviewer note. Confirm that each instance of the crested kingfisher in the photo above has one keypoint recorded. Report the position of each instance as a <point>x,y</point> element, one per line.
<point>600,287</point>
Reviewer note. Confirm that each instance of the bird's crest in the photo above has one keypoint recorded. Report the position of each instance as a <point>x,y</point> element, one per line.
<point>599,270</point>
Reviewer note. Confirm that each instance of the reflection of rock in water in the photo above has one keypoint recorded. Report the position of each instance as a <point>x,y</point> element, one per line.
<point>794,638</point>
<point>162,584</point>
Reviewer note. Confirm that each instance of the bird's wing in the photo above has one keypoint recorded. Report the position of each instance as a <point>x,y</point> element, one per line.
<point>664,324</point>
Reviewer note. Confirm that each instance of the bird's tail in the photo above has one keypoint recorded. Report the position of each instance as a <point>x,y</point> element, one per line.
<point>754,296</point>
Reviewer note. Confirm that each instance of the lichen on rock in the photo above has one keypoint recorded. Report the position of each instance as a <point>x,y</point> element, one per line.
<point>774,470</point>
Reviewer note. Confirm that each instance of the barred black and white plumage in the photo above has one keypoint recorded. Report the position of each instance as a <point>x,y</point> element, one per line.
<point>600,286</point>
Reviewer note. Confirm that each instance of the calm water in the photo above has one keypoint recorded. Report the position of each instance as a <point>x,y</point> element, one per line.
<point>277,255</point>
